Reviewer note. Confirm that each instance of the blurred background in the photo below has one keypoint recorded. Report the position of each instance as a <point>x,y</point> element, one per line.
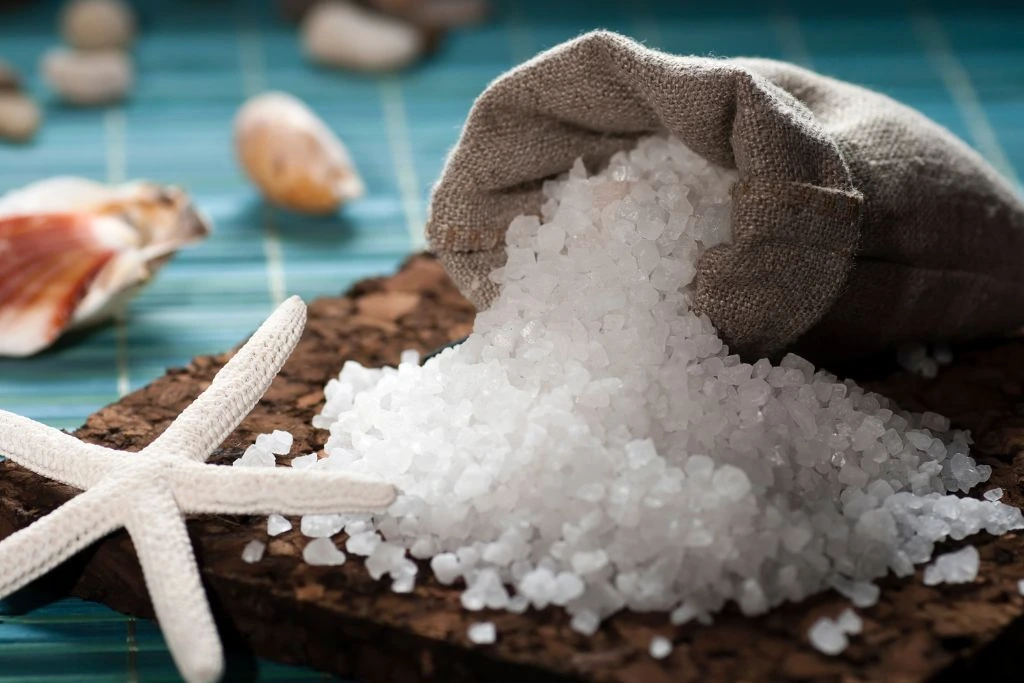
<point>197,61</point>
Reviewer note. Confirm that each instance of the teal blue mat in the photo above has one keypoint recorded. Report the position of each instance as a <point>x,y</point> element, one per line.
<point>962,64</point>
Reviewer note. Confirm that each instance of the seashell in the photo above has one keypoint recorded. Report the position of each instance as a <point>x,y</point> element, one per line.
<point>98,24</point>
<point>88,78</point>
<point>73,252</point>
<point>344,35</point>
<point>292,156</point>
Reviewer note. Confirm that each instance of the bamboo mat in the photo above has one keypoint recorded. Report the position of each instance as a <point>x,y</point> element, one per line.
<point>960,63</point>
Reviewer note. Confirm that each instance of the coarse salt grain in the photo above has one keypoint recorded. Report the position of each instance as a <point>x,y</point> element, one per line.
<point>253,552</point>
<point>322,552</point>
<point>660,647</point>
<point>482,633</point>
<point>277,525</point>
<point>960,566</point>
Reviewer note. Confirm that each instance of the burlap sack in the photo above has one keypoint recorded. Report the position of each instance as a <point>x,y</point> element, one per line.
<point>859,224</point>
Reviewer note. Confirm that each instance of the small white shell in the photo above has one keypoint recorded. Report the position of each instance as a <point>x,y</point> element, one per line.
<point>88,78</point>
<point>97,24</point>
<point>343,35</point>
<point>19,117</point>
<point>292,156</point>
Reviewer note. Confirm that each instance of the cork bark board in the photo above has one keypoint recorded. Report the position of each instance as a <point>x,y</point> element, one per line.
<point>339,620</point>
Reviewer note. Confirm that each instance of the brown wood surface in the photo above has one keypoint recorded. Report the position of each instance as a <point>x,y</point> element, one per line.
<point>341,621</point>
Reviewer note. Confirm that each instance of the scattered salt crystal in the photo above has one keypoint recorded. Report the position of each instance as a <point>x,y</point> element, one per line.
<point>827,637</point>
<point>993,494</point>
<point>1020,586</point>
<point>860,593</point>
<point>960,566</point>
<point>362,543</point>
<point>322,526</point>
<point>304,462</point>
<point>322,552</point>
<point>277,525</point>
<point>482,633</point>
<point>585,622</point>
<point>409,357</point>
<point>445,567</point>
<point>660,647</point>
<point>849,622</point>
<point>253,551</point>
<point>278,442</point>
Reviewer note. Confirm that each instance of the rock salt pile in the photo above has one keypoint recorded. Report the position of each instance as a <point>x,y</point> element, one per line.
<point>593,445</point>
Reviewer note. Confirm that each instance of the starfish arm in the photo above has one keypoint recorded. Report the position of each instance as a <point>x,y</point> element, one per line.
<point>236,389</point>
<point>162,543</point>
<point>40,547</point>
<point>248,491</point>
<point>52,453</point>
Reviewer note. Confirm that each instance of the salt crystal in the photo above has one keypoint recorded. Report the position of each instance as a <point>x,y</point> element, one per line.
<point>960,566</point>
<point>849,622</point>
<point>322,552</point>
<point>827,637</point>
<point>993,494</point>
<point>1020,586</point>
<point>278,442</point>
<point>253,551</point>
<point>482,633</point>
<point>409,357</point>
<point>860,593</point>
<point>587,622</point>
<point>660,647</point>
<point>445,567</point>
<point>277,525</point>
<point>362,543</point>
<point>322,526</point>
<point>304,462</point>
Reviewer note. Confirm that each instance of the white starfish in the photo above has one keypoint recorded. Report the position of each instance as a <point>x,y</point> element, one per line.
<point>148,493</point>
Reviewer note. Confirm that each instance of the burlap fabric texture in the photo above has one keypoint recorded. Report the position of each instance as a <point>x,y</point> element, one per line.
<point>859,224</point>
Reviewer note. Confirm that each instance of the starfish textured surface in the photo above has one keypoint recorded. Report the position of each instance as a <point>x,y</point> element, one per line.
<point>149,493</point>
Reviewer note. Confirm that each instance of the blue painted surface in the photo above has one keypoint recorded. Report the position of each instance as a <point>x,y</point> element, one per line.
<point>962,64</point>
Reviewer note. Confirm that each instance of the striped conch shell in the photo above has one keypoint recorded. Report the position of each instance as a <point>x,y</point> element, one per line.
<point>73,252</point>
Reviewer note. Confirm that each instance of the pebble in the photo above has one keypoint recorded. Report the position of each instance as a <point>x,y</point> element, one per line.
<point>88,78</point>
<point>19,117</point>
<point>98,24</point>
<point>295,160</point>
<point>340,34</point>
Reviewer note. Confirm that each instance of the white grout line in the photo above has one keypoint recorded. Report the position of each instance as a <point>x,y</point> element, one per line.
<point>930,34</point>
<point>397,129</point>
<point>791,38</point>
<point>250,61</point>
<point>116,162</point>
